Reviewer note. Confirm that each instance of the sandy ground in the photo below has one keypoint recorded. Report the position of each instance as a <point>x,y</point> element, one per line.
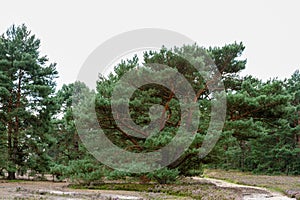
<point>60,191</point>
<point>259,194</point>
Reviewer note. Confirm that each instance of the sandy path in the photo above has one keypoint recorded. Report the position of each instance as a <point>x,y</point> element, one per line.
<point>60,191</point>
<point>257,193</point>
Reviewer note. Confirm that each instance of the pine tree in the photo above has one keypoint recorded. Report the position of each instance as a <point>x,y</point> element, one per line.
<point>70,159</point>
<point>226,59</point>
<point>261,130</point>
<point>26,90</point>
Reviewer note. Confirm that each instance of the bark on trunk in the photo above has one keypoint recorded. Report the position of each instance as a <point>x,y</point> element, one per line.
<point>11,176</point>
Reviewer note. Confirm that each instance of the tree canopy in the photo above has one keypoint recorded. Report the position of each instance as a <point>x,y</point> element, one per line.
<point>38,133</point>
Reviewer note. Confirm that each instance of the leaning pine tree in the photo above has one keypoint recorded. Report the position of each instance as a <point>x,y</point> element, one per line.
<point>142,100</point>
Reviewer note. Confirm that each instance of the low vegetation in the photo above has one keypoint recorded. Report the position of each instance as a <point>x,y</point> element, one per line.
<point>182,188</point>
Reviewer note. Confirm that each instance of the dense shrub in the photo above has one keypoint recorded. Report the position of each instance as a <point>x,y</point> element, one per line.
<point>164,175</point>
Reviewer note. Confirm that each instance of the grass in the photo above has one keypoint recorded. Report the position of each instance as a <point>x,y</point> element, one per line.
<point>201,190</point>
<point>183,188</point>
<point>12,181</point>
<point>187,188</point>
<point>117,186</point>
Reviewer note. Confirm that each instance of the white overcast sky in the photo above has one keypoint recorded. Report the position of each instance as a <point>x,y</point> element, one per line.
<point>71,30</point>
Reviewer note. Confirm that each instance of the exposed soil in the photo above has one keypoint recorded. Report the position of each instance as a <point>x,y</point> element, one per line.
<point>60,191</point>
<point>289,185</point>
<point>248,192</point>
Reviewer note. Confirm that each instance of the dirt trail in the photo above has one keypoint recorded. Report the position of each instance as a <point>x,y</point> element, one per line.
<point>250,192</point>
<point>60,191</point>
<point>57,191</point>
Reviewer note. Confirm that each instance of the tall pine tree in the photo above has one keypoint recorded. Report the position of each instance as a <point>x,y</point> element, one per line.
<point>26,89</point>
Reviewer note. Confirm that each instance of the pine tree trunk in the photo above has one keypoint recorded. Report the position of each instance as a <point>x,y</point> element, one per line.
<point>76,144</point>
<point>11,176</point>
<point>17,123</point>
<point>9,141</point>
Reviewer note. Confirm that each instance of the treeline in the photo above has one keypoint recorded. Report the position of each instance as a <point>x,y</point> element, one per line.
<point>38,133</point>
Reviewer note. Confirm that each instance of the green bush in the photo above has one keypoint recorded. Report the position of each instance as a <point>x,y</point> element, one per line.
<point>84,172</point>
<point>116,175</point>
<point>58,171</point>
<point>164,175</point>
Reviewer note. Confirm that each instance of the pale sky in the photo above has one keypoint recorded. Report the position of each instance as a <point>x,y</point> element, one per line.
<point>71,30</point>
